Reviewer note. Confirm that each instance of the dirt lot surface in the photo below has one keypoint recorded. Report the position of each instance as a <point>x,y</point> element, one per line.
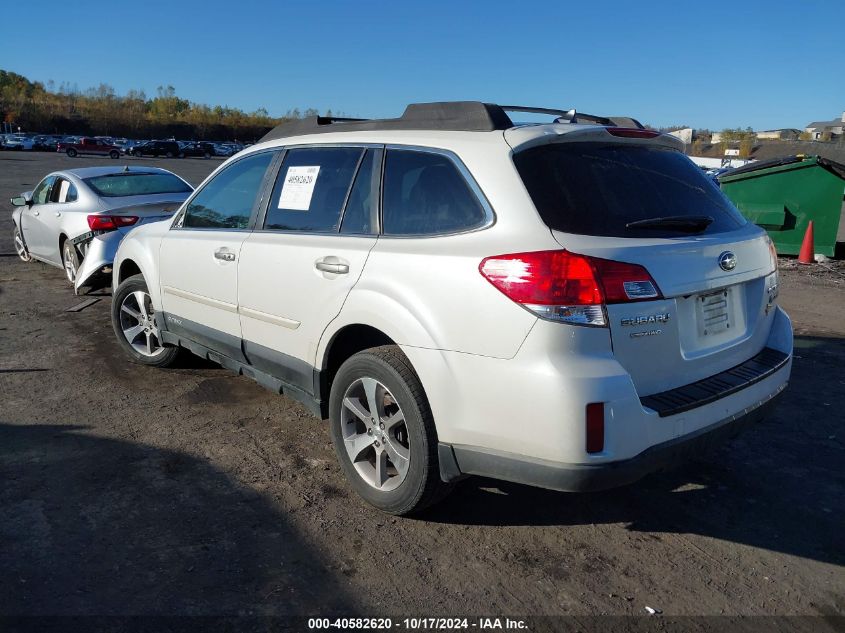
<point>130,490</point>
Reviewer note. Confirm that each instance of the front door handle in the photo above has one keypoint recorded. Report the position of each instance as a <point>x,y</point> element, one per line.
<point>332,264</point>
<point>58,214</point>
<point>36,212</point>
<point>224,255</point>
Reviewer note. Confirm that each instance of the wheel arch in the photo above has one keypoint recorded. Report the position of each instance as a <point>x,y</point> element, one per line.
<point>344,343</point>
<point>127,269</point>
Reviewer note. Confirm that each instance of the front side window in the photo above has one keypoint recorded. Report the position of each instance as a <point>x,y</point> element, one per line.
<point>425,194</point>
<point>42,191</point>
<point>226,202</point>
<point>311,189</point>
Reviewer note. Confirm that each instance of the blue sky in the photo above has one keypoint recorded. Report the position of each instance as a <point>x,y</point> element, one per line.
<point>715,64</point>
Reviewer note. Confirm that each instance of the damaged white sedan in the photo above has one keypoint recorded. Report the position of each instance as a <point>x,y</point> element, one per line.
<point>75,219</point>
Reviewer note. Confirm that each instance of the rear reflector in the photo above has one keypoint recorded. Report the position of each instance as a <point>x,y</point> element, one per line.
<point>568,287</point>
<point>628,132</point>
<point>595,427</point>
<point>110,222</point>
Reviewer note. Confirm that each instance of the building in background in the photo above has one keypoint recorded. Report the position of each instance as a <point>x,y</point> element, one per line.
<point>826,130</point>
<point>785,134</point>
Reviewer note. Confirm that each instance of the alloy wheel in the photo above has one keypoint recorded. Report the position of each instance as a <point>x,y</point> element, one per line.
<point>20,247</point>
<point>69,263</point>
<point>374,434</point>
<point>137,322</point>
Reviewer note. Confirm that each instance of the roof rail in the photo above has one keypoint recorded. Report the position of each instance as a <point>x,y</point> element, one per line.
<point>468,116</point>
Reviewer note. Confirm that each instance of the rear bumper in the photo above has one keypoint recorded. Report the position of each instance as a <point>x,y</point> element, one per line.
<point>460,460</point>
<point>100,253</point>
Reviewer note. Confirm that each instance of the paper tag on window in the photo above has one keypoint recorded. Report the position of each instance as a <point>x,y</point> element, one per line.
<point>298,188</point>
<point>63,191</point>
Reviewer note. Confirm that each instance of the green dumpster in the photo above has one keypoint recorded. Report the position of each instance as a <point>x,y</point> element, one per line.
<point>784,194</point>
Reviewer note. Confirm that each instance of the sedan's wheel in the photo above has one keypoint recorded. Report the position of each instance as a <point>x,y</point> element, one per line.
<point>114,154</point>
<point>20,247</point>
<point>383,431</point>
<point>71,152</point>
<point>135,323</point>
<point>169,155</point>
<point>70,261</point>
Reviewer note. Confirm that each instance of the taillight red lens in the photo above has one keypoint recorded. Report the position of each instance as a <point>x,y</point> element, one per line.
<point>544,278</point>
<point>595,427</point>
<point>628,132</point>
<point>110,222</point>
<point>565,286</point>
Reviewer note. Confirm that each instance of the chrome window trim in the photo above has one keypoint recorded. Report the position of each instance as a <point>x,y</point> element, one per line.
<point>489,213</point>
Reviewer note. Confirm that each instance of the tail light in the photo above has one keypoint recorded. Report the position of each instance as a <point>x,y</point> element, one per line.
<point>567,287</point>
<point>773,253</point>
<point>110,222</point>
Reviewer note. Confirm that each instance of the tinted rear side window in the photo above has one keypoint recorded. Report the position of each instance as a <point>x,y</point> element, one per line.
<point>311,189</point>
<point>597,189</point>
<point>425,194</point>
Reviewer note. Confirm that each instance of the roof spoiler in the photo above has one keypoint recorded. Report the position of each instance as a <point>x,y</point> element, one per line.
<point>466,116</point>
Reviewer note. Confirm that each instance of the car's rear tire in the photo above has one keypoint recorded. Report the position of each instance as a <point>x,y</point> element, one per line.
<point>71,152</point>
<point>136,327</point>
<point>114,154</point>
<point>70,261</point>
<point>168,155</point>
<point>390,455</point>
<point>20,245</point>
<point>206,155</point>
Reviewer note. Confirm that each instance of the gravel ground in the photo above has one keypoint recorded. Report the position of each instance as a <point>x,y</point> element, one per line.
<point>130,490</point>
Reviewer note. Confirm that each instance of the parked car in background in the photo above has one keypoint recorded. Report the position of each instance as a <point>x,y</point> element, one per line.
<point>19,142</point>
<point>169,149</point>
<point>450,290</point>
<point>190,148</point>
<point>87,145</point>
<point>75,218</point>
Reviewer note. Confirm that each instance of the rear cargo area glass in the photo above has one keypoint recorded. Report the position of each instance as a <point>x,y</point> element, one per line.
<point>598,189</point>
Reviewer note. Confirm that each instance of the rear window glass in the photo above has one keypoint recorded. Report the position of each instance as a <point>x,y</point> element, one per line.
<point>128,184</point>
<point>598,189</point>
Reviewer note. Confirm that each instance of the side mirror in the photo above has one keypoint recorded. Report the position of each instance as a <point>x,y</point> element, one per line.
<point>20,201</point>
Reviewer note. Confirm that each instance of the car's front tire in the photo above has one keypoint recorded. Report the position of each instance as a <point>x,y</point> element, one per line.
<point>20,245</point>
<point>71,152</point>
<point>383,432</point>
<point>114,154</point>
<point>136,325</point>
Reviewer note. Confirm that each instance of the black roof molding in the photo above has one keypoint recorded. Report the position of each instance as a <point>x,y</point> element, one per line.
<point>464,116</point>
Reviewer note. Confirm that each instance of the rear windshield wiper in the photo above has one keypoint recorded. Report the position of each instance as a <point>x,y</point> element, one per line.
<point>685,223</point>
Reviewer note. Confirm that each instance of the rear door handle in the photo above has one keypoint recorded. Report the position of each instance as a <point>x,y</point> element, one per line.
<point>224,254</point>
<point>58,214</point>
<point>332,264</point>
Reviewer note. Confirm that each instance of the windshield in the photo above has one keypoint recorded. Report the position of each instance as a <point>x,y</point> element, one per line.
<point>610,190</point>
<point>128,184</point>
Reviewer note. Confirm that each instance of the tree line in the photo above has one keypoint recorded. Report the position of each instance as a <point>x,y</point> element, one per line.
<point>35,107</point>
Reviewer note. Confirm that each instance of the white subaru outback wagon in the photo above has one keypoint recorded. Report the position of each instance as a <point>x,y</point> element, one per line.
<point>571,304</point>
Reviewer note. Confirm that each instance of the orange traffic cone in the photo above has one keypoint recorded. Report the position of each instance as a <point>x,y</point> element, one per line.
<point>807,253</point>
